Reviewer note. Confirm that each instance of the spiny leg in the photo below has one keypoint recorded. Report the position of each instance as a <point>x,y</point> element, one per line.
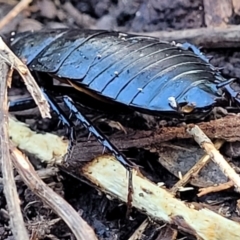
<point>28,103</point>
<point>106,144</point>
<point>63,119</point>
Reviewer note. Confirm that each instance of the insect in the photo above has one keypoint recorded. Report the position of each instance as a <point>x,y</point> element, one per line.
<point>139,72</point>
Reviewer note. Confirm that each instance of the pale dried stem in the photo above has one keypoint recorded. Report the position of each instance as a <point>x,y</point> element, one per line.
<point>16,220</point>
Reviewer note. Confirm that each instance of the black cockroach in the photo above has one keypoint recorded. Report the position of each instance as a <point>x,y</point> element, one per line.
<point>137,71</point>
<point>142,73</point>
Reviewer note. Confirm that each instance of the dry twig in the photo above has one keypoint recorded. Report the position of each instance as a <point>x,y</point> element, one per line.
<point>14,12</point>
<point>10,58</point>
<point>16,220</point>
<point>78,226</point>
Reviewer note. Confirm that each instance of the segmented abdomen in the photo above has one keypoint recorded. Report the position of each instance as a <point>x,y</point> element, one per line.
<point>138,71</point>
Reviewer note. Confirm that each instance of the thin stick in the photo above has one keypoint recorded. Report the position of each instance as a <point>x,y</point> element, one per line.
<point>14,12</point>
<point>215,155</point>
<point>16,220</point>
<point>78,226</point>
<point>29,81</point>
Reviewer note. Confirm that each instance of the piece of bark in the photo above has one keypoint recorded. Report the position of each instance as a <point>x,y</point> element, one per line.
<point>217,13</point>
<point>227,128</point>
<point>110,176</point>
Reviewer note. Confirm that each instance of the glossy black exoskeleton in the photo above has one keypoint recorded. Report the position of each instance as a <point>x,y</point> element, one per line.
<point>143,73</point>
